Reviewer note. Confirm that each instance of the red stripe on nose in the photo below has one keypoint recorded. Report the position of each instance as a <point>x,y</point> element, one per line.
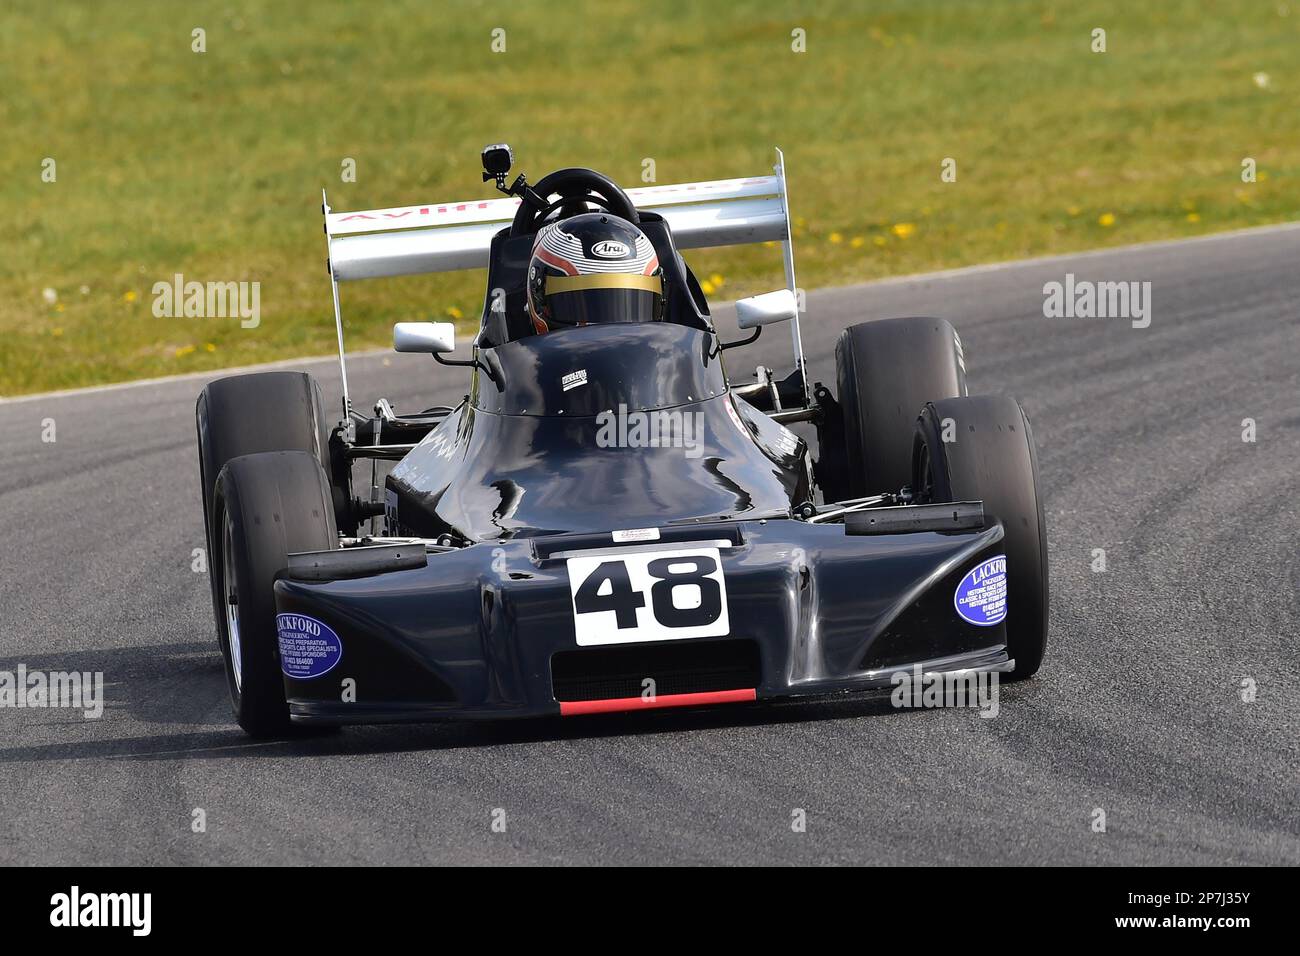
<point>573,708</point>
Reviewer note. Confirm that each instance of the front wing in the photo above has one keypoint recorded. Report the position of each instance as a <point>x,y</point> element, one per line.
<point>676,616</point>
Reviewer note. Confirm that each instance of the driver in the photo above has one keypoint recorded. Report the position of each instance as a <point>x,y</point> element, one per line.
<point>593,268</point>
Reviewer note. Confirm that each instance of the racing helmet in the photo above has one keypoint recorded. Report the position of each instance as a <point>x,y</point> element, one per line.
<point>593,268</point>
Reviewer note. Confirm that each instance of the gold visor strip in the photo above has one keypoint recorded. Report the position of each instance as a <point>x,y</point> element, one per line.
<point>603,280</point>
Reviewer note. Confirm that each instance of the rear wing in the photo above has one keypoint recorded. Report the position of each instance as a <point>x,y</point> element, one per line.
<point>446,237</point>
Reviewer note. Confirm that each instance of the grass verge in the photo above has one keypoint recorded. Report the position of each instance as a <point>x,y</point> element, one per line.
<point>210,164</point>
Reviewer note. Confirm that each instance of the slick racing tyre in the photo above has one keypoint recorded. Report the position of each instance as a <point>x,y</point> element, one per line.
<point>885,371</point>
<point>265,507</point>
<point>247,414</point>
<point>989,456</point>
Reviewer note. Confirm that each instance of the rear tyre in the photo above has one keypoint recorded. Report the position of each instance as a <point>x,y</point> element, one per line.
<point>265,507</point>
<point>885,371</point>
<point>990,457</point>
<point>248,414</point>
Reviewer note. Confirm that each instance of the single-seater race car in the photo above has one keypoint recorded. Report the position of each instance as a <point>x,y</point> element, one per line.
<point>608,521</point>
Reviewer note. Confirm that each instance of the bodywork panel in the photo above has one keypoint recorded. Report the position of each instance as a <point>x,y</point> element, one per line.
<point>475,633</point>
<point>629,424</point>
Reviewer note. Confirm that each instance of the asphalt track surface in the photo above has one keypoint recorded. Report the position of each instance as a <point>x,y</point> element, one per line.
<point>1137,711</point>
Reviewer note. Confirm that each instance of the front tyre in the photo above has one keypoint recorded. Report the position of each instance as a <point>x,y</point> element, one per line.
<point>265,507</point>
<point>248,414</point>
<point>885,371</point>
<point>981,448</point>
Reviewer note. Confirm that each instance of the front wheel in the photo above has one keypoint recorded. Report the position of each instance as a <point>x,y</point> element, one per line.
<point>249,414</point>
<point>265,507</point>
<point>981,448</point>
<point>885,371</point>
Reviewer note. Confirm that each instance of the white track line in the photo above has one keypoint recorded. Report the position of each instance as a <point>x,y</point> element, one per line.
<point>889,280</point>
<point>189,376</point>
<point>1060,256</point>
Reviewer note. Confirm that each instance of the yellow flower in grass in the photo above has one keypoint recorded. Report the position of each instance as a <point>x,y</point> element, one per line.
<point>1193,217</point>
<point>707,287</point>
<point>455,313</point>
<point>209,347</point>
<point>184,350</point>
<point>1106,220</point>
<point>717,280</point>
<point>836,238</point>
<point>129,295</point>
<point>857,242</point>
<point>879,240</point>
<point>903,229</point>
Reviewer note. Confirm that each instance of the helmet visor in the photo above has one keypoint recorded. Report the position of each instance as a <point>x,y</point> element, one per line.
<point>603,298</point>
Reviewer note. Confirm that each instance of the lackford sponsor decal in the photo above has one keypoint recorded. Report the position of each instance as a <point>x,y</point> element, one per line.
<point>609,249</point>
<point>981,596</point>
<point>308,647</point>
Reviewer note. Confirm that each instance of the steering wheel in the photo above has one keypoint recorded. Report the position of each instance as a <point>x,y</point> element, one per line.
<point>575,187</point>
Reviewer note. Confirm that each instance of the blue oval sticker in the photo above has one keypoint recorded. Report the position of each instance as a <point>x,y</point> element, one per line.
<point>981,596</point>
<point>308,647</point>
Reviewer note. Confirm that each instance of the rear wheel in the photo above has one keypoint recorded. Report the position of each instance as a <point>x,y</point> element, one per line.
<point>266,507</point>
<point>248,414</point>
<point>885,371</point>
<point>981,448</point>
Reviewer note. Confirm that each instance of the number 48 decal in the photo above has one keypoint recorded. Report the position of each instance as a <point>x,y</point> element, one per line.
<point>639,596</point>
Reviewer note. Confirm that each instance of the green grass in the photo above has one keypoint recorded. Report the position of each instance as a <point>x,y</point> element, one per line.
<point>211,164</point>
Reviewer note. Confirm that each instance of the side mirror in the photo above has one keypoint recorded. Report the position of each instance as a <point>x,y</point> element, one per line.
<point>427,337</point>
<point>759,310</point>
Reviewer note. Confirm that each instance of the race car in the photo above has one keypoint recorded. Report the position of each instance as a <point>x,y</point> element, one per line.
<point>608,521</point>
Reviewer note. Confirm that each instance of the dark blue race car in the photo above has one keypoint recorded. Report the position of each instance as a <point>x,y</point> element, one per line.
<point>608,521</point>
